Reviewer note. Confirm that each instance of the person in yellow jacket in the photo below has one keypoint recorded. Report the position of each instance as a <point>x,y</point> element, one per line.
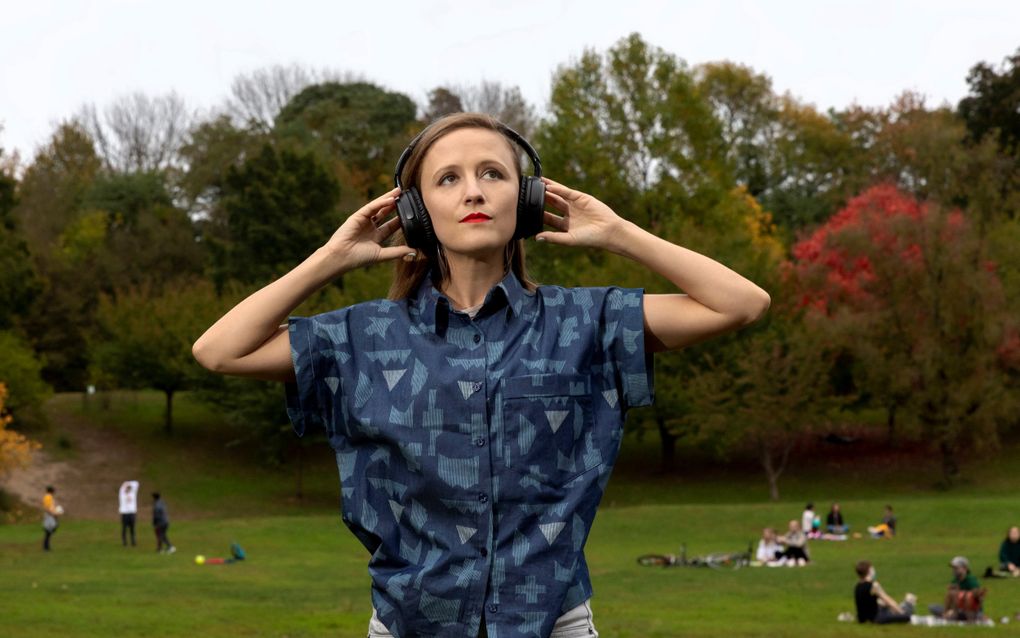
<point>51,515</point>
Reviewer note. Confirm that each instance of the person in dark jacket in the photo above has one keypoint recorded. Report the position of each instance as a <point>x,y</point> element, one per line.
<point>1009,552</point>
<point>161,522</point>
<point>834,521</point>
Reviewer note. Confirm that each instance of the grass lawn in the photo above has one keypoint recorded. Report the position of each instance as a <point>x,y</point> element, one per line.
<point>306,575</point>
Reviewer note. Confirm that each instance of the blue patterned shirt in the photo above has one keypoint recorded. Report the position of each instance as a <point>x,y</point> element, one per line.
<point>473,452</point>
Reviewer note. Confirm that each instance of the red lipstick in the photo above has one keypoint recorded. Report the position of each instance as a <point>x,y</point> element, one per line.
<point>475,218</point>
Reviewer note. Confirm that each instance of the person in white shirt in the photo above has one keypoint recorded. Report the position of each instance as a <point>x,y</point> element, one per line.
<point>128,510</point>
<point>769,550</point>
<point>807,519</point>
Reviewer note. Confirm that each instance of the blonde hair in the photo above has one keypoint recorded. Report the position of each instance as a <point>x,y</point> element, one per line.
<point>407,276</point>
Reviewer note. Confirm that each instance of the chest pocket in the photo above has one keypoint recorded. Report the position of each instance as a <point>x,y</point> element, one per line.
<point>549,434</point>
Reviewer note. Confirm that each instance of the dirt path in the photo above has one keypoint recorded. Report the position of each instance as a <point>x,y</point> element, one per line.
<point>86,484</point>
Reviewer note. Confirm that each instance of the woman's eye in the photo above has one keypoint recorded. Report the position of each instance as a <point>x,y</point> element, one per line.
<point>447,179</point>
<point>492,174</point>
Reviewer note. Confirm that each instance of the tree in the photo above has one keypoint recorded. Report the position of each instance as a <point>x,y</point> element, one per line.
<point>278,207</point>
<point>144,340</point>
<point>909,281</point>
<point>993,105</point>
<point>767,395</point>
<point>631,128</point>
<point>53,187</point>
<point>15,449</point>
<point>137,133</point>
<point>358,124</point>
<point>146,240</point>
<point>50,197</point>
<point>18,280</point>
<point>442,101</point>
<point>21,374</point>
<point>212,149</point>
<point>256,98</point>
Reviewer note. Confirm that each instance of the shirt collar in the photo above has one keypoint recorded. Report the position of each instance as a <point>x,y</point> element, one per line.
<point>434,307</point>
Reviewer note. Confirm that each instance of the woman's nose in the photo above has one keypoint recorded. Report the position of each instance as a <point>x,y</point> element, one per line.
<point>473,191</point>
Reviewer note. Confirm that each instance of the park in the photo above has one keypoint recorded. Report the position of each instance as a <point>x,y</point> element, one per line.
<point>877,366</point>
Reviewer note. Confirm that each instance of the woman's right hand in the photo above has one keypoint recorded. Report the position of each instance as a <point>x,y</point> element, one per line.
<point>360,241</point>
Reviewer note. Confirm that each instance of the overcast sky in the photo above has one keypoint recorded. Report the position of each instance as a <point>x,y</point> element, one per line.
<point>57,55</point>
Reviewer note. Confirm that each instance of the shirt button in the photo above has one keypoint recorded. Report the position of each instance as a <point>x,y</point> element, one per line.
<point>493,607</point>
<point>480,442</point>
<point>478,338</point>
<point>477,386</point>
<point>483,498</point>
<point>484,552</point>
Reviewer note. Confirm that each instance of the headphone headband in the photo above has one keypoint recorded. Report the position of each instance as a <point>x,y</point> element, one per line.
<point>503,128</point>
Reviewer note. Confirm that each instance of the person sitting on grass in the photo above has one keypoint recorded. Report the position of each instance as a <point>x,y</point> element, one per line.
<point>770,552</point>
<point>964,595</point>
<point>834,523</point>
<point>887,528</point>
<point>876,606</point>
<point>795,541</point>
<point>1009,552</point>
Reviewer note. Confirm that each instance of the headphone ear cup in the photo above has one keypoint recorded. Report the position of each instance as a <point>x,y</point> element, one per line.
<point>415,221</point>
<point>530,207</point>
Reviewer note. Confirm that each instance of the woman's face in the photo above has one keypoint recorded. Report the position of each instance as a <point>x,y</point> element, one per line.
<point>469,184</point>
<point>1014,534</point>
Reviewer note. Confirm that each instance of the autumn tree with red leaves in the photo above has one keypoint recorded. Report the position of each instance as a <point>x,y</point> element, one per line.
<point>906,286</point>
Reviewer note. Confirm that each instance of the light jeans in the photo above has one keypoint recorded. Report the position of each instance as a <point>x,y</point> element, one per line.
<point>576,623</point>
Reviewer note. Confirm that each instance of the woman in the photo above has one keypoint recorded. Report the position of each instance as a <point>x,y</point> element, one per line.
<point>475,415</point>
<point>834,521</point>
<point>795,541</point>
<point>1009,552</point>
<point>769,550</point>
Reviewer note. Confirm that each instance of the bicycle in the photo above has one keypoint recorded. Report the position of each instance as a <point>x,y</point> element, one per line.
<point>719,560</point>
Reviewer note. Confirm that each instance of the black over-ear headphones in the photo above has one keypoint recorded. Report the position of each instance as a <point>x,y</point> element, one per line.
<point>415,220</point>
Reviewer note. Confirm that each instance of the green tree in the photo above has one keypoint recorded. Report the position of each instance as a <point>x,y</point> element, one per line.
<point>278,207</point>
<point>21,372</point>
<point>993,105</point>
<point>144,340</point>
<point>50,197</point>
<point>358,124</point>
<point>18,280</point>
<point>766,395</point>
<point>632,128</point>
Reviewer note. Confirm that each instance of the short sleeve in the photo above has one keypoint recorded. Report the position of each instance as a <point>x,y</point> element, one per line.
<point>318,346</point>
<point>622,339</point>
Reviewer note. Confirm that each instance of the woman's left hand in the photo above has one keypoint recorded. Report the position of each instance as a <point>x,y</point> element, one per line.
<point>583,220</point>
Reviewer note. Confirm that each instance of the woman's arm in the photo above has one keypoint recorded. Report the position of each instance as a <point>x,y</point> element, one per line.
<point>249,341</point>
<point>717,299</point>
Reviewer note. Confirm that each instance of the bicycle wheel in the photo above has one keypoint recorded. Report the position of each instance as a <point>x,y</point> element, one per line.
<point>655,560</point>
<point>720,561</point>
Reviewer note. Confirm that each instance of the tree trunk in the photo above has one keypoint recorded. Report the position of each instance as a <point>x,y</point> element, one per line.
<point>168,423</point>
<point>950,468</point>
<point>667,459</point>
<point>890,424</point>
<point>770,472</point>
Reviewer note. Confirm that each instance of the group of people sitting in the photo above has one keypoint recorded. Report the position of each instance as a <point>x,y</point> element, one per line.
<point>836,527</point>
<point>791,549</point>
<point>964,601</point>
<point>788,550</point>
